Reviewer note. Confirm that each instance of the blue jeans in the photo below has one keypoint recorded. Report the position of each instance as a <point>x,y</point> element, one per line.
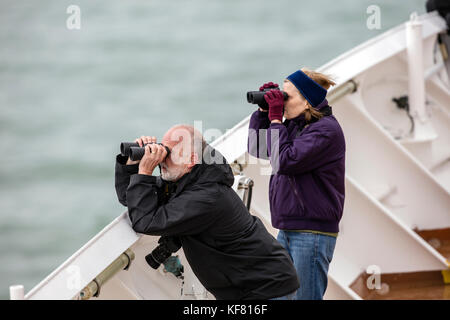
<point>290,296</point>
<point>312,254</point>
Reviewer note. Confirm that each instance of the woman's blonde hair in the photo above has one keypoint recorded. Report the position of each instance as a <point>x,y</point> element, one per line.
<point>326,82</point>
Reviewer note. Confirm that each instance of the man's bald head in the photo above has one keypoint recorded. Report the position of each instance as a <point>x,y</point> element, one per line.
<point>186,139</point>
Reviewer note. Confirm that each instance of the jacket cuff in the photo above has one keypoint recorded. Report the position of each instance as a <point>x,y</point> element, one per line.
<point>130,168</point>
<point>276,125</point>
<point>259,120</point>
<point>139,178</point>
<point>262,114</point>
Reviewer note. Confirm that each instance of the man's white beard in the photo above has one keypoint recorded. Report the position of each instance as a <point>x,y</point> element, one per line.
<point>173,175</point>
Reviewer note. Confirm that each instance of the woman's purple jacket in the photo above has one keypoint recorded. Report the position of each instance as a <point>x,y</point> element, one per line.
<point>307,185</point>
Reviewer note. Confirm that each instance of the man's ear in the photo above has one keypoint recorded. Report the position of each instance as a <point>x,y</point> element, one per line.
<point>193,160</point>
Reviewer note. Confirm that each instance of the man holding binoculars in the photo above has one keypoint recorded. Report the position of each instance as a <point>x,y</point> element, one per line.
<point>192,204</point>
<point>154,155</point>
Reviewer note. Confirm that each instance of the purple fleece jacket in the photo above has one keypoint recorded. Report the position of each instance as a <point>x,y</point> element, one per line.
<point>307,187</point>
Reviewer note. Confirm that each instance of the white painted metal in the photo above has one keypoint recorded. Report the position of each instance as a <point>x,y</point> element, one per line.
<point>431,153</point>
<point>77,271</point>
<point>336,291</point>
<point>140,281</point>
<point>17,292</point>
<point>371,235</point>
<point>385,169</point>
<point>432,147</point>
<point>390,76</point>
<point>379,49</point>
<point>423,130</point>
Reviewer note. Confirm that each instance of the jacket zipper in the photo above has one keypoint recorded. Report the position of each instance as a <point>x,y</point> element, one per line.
<point>296,193</point>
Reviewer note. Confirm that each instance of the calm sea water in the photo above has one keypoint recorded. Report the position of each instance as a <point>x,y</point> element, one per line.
<point>68,98</point>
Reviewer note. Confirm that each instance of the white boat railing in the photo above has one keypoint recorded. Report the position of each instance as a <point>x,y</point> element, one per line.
<point>84,265</point>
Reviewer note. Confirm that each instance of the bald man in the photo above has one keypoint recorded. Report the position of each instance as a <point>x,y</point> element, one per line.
<point>228,249</point>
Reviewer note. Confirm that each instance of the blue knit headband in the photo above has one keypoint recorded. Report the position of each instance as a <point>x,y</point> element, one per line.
<point>311,90</point>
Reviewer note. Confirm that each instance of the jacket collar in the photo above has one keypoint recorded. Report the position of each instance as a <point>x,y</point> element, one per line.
<point>175,187</point>
<point>207,171</point>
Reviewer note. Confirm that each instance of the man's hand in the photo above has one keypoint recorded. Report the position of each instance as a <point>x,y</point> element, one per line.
<point>154,155</point>
<point>143,140</point>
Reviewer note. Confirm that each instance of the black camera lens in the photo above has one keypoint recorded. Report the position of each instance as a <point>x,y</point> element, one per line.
<point>157,256</point>
<point>167,246</point>
<point>152,262</point>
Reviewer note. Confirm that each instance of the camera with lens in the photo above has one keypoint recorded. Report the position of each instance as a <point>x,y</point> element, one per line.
<point>257,97</point>
<point>134,151</point>
<point>167,246</point>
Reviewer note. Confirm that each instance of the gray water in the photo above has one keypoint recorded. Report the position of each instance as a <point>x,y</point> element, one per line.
<point>69,97</point>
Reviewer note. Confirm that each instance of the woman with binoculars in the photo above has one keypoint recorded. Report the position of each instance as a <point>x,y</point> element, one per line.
<point>306,190</point>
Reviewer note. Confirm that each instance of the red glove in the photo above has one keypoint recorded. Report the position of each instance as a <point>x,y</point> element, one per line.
<point>268,85</point>
<point>275,100</point>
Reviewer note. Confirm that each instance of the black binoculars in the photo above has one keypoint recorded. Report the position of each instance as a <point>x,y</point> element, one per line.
<point>257,97</point>
<point>135,152</point>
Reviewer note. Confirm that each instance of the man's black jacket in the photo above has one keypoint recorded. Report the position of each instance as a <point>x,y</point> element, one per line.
<point>229,250</point>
